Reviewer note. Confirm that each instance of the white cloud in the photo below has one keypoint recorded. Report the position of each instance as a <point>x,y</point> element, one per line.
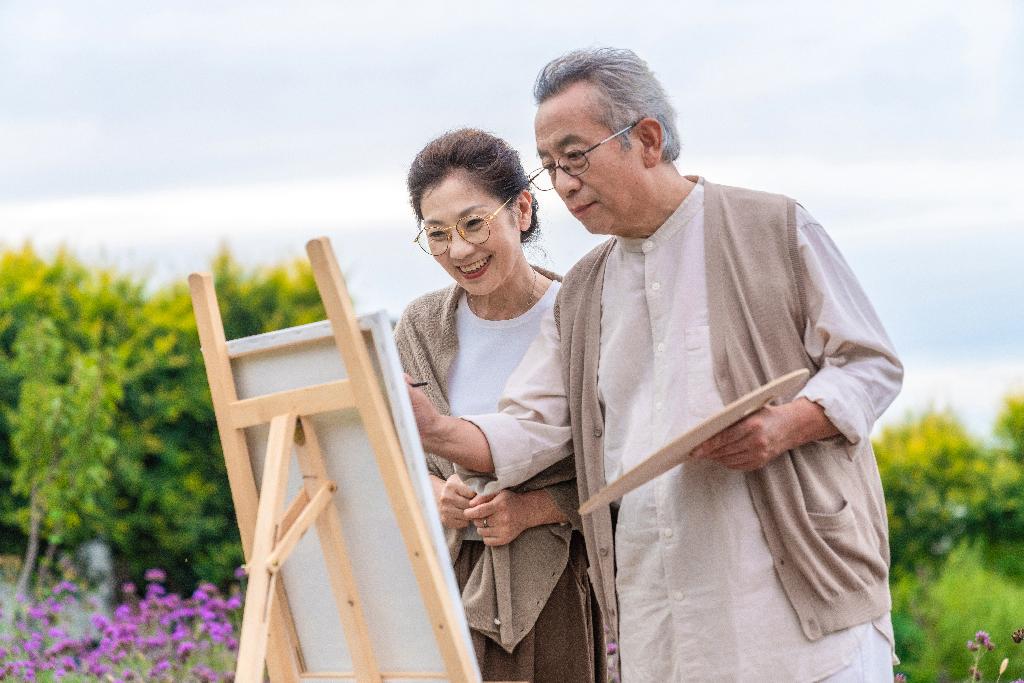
<point>247,211</point>
<point>974,391</point>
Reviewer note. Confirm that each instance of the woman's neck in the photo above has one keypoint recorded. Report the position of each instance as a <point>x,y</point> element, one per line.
<point>513,297</point>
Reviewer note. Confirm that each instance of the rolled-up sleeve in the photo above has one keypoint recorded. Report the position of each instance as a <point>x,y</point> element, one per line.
<point>531,432</point>
<point>859,374</point>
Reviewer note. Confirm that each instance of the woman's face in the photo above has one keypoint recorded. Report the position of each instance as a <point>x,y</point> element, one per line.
<point>480,269</point>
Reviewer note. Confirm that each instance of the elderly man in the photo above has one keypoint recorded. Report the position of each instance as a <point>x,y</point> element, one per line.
<point>765,555</point>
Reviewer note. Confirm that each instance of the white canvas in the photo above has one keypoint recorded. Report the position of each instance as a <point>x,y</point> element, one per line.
<point>397,618</point>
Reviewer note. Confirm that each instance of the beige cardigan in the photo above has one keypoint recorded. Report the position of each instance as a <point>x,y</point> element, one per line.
<point>510,584</point>
<point>820,506</point>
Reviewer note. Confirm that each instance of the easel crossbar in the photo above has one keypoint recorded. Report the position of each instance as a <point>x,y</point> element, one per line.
<point>413,675</point>
<point>291,535</point>
<point>319,398</point>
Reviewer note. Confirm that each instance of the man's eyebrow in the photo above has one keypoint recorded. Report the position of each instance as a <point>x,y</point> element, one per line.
<point>570,139</point>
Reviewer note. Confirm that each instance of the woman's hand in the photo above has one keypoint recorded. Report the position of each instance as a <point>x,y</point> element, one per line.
<point>500,518</point>
<point>453,498</point>
<point>422,408</point>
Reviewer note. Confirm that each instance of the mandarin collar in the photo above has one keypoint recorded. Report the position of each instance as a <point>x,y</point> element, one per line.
<point>673,225</point>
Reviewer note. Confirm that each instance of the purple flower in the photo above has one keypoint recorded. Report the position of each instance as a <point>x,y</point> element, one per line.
<point>156,575</point>
<point>204,673</point>
<point>240,572</point>
<point>128,588</point>
<point>160,667</point>
<point>185,649</point>
<point>972,646</point>
<point>984,640</point>
<point>37,612</point>
<point>899,678</point>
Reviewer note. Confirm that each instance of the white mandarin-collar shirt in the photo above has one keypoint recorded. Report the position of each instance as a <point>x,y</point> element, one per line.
<point>698,594</point>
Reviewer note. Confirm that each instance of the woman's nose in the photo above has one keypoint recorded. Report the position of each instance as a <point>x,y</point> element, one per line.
<point>459,247</point>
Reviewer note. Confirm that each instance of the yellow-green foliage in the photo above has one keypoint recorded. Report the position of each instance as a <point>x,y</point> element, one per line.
<point>942,485</point>
<point>132,452</point>
<point>957,538</point>
<point>965,596</point>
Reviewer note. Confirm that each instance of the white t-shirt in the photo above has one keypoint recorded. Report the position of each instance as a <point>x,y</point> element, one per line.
<point>489,350</point>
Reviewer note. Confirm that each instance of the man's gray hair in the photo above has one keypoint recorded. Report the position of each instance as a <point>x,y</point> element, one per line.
<point>628,87</point>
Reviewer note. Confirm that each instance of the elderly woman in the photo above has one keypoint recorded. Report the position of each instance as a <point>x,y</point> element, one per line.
<point>519,561</point>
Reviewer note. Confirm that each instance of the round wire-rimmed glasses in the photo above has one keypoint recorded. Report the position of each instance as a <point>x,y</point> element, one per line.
<point>435,239</point>
<point>574,163</point>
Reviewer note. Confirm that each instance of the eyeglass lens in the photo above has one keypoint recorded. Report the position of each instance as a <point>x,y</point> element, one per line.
<point>434,239</point>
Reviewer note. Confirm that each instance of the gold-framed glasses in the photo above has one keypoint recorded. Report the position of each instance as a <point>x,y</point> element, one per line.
<point>574,163</point>
<point>435,239</point>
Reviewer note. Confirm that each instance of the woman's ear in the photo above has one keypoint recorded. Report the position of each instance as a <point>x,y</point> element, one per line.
<point>652,138</point>
<point>525,205</point>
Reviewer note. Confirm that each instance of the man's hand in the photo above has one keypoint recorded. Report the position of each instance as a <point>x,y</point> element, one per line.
<point>500,518</point>
<point>457,440</point>
<point>759,438</point>
<point>453,498</point>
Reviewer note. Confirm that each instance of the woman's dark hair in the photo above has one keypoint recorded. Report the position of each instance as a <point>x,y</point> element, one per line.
<point>490,162</point>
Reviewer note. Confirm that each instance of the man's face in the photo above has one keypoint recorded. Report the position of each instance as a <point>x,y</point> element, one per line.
<point>604,196</point>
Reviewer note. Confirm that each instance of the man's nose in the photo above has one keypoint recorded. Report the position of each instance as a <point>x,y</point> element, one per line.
<point>566,184</point>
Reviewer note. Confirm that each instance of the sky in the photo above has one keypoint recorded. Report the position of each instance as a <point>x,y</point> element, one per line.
<point>147,135</point>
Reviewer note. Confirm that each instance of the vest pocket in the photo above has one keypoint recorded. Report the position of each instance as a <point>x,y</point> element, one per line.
<point>832,521</point>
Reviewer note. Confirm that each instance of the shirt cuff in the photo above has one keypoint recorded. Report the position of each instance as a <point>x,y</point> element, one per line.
<point>839,400</point>
<point>506,440</point>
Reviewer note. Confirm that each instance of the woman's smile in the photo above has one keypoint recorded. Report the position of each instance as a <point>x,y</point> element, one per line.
<point>475,269</point>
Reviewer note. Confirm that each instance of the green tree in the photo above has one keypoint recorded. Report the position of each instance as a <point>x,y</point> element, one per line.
<point>61,438</point>
<point>173,504</point>
<point>87,313</point>
<point>1010,427</point>
<point>936,479</point>
<point>166,500</point>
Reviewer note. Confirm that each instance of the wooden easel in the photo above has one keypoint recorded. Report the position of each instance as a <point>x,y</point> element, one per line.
<point>270,532</point>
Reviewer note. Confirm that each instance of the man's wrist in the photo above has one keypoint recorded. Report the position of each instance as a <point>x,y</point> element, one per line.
<point>805,422</point>
<point>437,434</point>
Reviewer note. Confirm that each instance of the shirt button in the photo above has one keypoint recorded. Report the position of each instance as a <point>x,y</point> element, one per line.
<point>603,552</point>
<point>497,622</point>
<point>647,246</point>
<point>667,533</point>
<point>661,347</point>
<point>656,286</point>
<point>597,432</point>
<point>677,595</point>
<point>659,405</point>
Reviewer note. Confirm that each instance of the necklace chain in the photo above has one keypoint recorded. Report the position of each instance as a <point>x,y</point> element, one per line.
<point>528,301</point>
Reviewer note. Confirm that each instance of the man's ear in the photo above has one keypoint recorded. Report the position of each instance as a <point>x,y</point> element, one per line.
<point>651,138</point>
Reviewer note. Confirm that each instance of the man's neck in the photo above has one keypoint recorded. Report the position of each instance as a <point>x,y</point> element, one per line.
<point>667,191</point>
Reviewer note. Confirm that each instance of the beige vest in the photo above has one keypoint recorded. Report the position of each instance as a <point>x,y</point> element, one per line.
<point>820,506</point>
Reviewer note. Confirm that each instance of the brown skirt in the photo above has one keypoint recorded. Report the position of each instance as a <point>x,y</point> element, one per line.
<point>566,644</point>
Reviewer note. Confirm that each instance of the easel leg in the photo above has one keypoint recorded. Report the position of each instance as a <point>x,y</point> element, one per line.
<point>252,649</point>
<point>339,567</point>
